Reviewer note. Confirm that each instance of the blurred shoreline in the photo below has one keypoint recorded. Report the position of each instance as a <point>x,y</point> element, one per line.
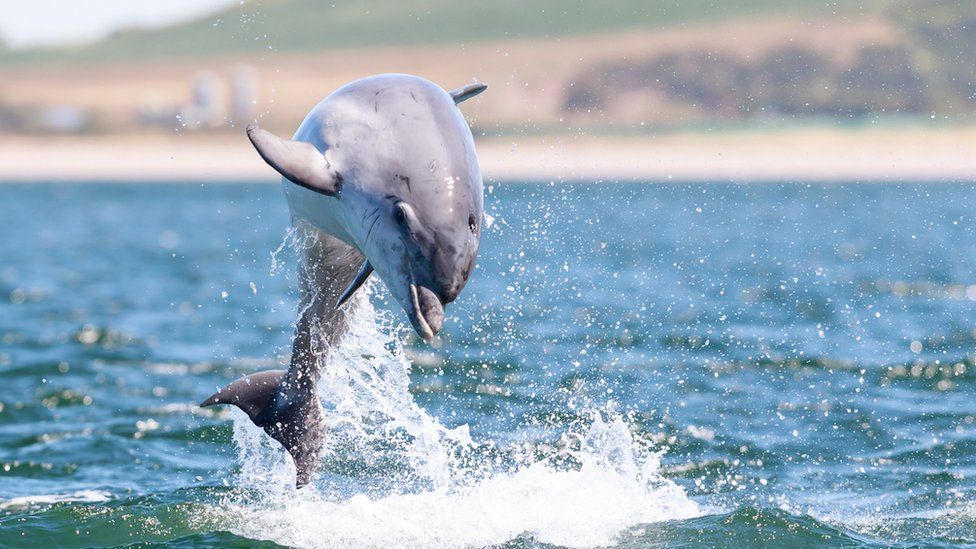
<point>750,92</point>
<point>796,155</point>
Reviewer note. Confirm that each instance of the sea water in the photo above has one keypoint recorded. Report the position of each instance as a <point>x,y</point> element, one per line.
<point>629,365</point>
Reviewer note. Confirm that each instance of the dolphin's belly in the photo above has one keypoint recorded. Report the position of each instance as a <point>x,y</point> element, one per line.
<point>318,209</point>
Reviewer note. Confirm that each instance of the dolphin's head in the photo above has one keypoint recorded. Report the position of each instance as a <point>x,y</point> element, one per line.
<point>399,179</point>
<point>423,243</point>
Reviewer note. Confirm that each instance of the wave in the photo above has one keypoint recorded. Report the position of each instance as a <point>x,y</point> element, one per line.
<point>749,527</point>
<point>395,476</point>
<point>45,500</point>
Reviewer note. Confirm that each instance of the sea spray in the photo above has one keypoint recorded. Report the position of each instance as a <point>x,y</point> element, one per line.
<point>395,476</point>
<point>371,415</point>
<point>725,382</point>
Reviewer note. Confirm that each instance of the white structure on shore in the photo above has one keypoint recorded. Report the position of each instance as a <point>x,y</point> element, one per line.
<point>243,95</point>
<point>206,110</point>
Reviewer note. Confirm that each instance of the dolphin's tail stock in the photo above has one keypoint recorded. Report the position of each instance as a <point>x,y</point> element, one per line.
<point>286,404</point>
<point>295,422</point>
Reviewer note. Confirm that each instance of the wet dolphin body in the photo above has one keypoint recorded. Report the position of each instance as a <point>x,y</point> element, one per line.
<point>381,175</point>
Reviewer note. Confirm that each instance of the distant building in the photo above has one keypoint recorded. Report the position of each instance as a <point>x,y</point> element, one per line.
<point>63,119</point>
<point>206,109</point>
<point>244,85</point>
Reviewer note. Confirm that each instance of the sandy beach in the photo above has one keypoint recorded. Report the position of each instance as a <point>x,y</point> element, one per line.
<point>807,155</point>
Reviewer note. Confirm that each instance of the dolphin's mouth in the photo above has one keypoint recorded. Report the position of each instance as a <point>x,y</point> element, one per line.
<point>427,311</point>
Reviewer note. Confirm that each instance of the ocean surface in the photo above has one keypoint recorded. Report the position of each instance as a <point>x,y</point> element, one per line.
<point>629,365</point>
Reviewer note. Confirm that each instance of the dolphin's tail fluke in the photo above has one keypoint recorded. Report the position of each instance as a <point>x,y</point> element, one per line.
<point>294,422</point>
<point>252,394</point>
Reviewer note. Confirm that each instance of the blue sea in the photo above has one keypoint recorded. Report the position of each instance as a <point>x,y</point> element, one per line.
<point>782,365</point>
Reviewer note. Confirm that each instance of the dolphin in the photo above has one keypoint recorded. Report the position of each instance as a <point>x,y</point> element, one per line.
<point>381,176</point>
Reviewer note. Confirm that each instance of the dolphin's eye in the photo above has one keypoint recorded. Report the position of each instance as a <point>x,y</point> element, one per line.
<point>472,223</point>
<point>399,215</point>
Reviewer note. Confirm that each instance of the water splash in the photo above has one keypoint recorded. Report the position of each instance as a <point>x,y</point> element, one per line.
<point>288,242</point>
<point>372,416</point>
<point>395,476</point>
<point>392,475</point>
<point>589,506</point>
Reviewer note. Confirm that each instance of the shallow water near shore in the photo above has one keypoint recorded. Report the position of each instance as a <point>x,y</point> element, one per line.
<point>628,365</point>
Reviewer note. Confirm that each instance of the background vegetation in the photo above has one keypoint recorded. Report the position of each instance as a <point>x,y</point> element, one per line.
<point>555,66</point>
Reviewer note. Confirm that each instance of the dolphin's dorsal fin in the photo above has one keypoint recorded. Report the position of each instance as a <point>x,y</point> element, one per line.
<point>467,92</point>
<point>300,162</point>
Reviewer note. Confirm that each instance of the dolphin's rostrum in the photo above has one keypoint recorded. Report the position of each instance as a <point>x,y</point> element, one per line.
<point>381,175</point>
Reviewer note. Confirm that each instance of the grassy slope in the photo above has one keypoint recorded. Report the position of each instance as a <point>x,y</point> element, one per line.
<point>308,25</point>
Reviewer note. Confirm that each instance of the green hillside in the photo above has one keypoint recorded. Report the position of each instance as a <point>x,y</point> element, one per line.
<point>309,25</point>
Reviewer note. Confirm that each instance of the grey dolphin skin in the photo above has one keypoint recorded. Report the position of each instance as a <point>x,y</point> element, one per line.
<point>382,177</point>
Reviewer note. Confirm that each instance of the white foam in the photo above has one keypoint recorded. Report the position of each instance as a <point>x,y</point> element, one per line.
<point>82,496</point>
<point>415,483</point>
<point>583,507</point>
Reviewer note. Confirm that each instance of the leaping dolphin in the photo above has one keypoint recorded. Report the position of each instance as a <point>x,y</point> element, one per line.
<point>381,176</point>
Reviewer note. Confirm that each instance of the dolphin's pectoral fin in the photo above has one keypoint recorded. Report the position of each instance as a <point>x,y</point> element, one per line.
<point>297,424</point>
<point>467,92</point>
<point>298,161</point>
<point>360,279</point>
